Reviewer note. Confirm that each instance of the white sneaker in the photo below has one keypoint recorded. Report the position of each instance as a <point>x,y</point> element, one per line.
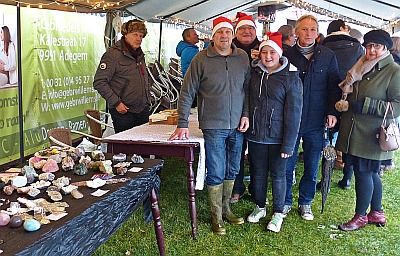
<point>286,210</point>
<point>276,222</point>
<point>257,214</point>
<point>305,212</point>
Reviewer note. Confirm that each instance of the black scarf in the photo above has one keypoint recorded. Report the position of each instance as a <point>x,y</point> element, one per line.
<point>135,53</point>
<point>247,48</point>
<point>305,50</point>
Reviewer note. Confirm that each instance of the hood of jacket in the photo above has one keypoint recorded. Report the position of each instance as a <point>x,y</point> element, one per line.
<point>257,63</point>
<point>182,45</point>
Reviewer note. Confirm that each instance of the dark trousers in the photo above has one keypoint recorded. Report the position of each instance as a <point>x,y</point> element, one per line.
<point>266,160</point>
<point>123,122</point>
<point>239,187</point>
<point>368,184</point>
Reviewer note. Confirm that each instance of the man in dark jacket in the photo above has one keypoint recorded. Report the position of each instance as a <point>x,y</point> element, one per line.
<point>245,39</point>
<point>121,78</point>
<point>320,76</point>
<point>347,50</point>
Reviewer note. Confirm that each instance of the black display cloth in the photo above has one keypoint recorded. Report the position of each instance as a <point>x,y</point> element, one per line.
<point>90,220</point>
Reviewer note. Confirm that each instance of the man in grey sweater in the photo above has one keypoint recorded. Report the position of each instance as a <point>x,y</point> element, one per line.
<point>219,75</point>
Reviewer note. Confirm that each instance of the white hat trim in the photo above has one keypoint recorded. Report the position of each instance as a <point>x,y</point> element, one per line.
<point>245,22</point>
<point>223,24</point>
<point>273,45</point>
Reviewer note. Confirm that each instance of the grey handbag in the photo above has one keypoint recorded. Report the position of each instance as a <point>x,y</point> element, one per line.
<point>389,136</point>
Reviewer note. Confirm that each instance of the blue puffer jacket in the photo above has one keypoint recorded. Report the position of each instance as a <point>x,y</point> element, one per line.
<point>187,51</point>
<point>275,101</point>
<point>320,77</point>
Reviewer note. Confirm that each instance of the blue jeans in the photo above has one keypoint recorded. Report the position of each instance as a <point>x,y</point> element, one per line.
<point>312,147</point>
<point>266,160</point>
<point>223,151</point>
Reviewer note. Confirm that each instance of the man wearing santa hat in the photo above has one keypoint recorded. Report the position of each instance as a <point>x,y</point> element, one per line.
<point>219,75</point>
<point>245,39</point>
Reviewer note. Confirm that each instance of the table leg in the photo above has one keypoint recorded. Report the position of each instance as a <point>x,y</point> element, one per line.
<point>192,198</point>
<point>157,222</point>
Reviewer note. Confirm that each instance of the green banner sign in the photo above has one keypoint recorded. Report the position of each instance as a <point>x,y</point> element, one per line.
<point>60,52</point>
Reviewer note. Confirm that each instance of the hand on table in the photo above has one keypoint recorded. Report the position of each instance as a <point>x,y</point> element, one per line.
<point>180,134</point>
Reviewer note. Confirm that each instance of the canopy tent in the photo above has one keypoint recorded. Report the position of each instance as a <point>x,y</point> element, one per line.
<point>373,13</point>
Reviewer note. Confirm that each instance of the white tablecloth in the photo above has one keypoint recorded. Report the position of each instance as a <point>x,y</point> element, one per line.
<point>161,133</point>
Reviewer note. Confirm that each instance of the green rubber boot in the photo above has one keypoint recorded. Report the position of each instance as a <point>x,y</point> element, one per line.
<point>226,209</point>
<point>215,200</point>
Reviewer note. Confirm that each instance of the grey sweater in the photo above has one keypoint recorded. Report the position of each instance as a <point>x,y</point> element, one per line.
<point>221,83</point>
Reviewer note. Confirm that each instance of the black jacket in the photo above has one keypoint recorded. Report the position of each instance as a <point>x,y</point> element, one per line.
<point>275,107</point>
<point>347,50</point>
<point>320,77</point>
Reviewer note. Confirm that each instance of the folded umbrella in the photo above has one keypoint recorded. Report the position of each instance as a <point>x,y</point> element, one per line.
<point>328,161</point>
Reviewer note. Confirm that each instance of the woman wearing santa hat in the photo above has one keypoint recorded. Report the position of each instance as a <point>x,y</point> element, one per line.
<point>275,111</point>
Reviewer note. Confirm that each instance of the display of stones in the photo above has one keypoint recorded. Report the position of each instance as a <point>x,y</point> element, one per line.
<point>97,155</point>
<point>56,157</point>
<point>39,164</point>
<point>31,225</point>
<point>16,221</point>
<point>40,184</point>
<point>55,195</point>
<point>121,170</point>
<point>61,182</point>
<point>50,166</point>
<point>80,169</point>
<point>23,190</point>
<point>19,181</point>
<point>106,167</point>
<point>79,151</point>
<point>46,176</point>
<point>76,194</point>
<point>8,190</point>
<point>33,192</point>
<point>4,219</point>
<point>74,156</point>
<point>137,159</point>
<point>85,160</point>
<point>68,189</point>
<point>67,164</point>
<point>52,188</point>
<point>119,157</point>
<point>29,172</point>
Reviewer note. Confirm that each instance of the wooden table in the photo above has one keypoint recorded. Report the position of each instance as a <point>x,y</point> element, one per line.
<point>90,220</point>
<point>153,140</point>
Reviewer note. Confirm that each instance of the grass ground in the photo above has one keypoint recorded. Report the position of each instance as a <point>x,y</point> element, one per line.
<point>297,237</point>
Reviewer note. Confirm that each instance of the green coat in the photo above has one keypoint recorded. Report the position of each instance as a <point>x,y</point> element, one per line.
<point>357,132</point>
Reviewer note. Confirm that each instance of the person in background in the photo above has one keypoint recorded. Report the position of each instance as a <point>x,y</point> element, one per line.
<point>187,48</point>
<point>373,82</point>
<point>318,70</point>
<point>275,110</point>
<point>356,34</point>
<point>288,36</point>
<point>395,51</point>
<point>245,39</point>
<point>347,50</point>
<point>219,75</point>
<point>8,58</point>
<point>122,80</point>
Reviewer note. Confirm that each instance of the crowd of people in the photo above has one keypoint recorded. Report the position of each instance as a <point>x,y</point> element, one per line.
<point>269,97</point>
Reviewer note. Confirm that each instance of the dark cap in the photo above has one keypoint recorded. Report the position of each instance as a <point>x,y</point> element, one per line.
<point>335,26</point>
<point>378,36</point>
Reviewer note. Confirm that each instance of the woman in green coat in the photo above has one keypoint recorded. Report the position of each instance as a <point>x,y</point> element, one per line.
<point>371,84</point>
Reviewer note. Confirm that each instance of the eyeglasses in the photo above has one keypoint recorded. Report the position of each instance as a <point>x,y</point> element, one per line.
<point>372,45</point>
<point>246,28</point>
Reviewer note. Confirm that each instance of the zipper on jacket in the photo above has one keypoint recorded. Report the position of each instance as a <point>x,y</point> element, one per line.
<point>254,121</point>
<point>262,79</point>
<point>270,118</point>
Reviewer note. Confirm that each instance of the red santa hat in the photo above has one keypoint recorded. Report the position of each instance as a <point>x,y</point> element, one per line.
<point>221,22</point>
<point>273,39</point>
<point>244,19</point>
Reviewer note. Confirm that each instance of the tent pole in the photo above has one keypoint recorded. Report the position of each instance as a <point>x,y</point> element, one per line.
<point>159,42</point>
<point>20,109</point>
